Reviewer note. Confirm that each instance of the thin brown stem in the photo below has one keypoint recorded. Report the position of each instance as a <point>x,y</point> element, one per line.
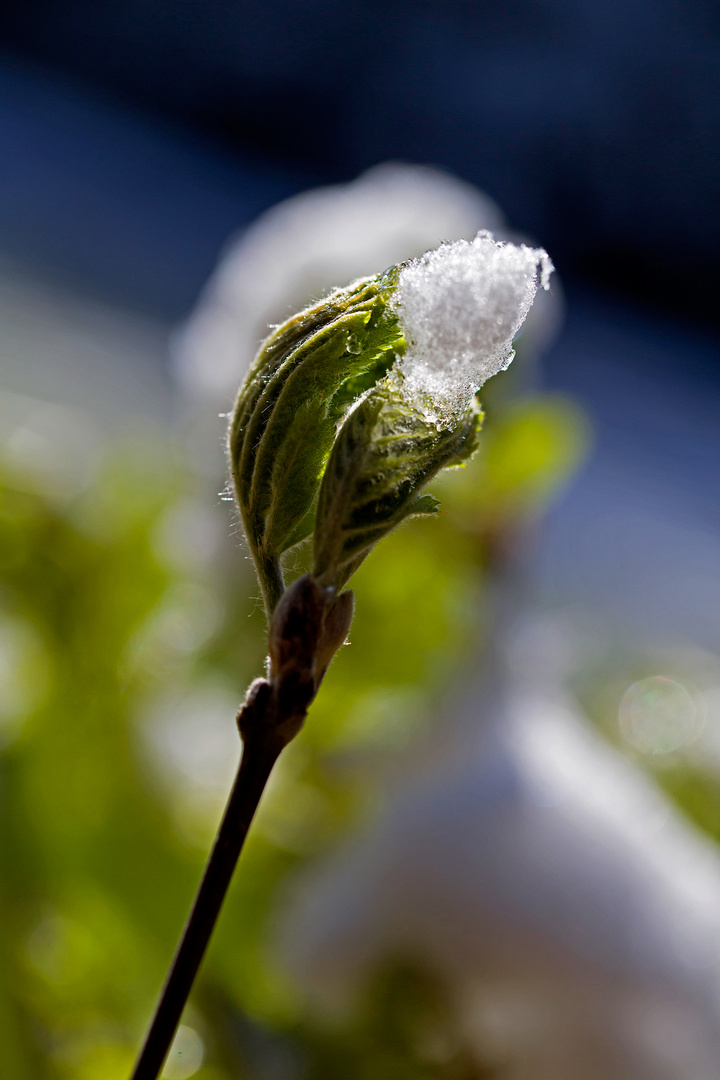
<point>306,629</point>
<point>258,757</point>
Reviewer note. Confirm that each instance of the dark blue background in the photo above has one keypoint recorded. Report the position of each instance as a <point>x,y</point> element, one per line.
<point>137,135</point>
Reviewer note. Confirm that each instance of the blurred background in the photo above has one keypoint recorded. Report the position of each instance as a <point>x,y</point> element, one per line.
<point>492,853</point>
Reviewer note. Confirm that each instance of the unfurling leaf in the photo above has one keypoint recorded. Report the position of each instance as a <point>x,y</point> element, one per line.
<point>354,404</point>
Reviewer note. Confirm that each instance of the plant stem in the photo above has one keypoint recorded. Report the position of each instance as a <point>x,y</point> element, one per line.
<point>271,582</point>
<point>304,633</point>
<point>258,757</point>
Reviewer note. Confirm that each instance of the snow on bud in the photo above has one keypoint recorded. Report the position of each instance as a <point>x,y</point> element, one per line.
<point>459,308</point>
<point>354,404</point>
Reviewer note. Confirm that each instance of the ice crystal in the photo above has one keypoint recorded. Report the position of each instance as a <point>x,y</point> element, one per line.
<point>459,308</point>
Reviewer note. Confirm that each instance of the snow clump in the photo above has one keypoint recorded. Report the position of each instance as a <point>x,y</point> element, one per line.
<point>459,308</point>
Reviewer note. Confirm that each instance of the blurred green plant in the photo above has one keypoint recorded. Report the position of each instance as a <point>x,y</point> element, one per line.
<point>100,845</point>
<point>105,618</point>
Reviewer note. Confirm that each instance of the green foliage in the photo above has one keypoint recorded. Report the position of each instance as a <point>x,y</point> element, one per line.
<point>102,843</point>
<point>85,855</point>
<point>306,376</point>
<point>323,441</point>
<point>100,849</point>
<point>384,454</point>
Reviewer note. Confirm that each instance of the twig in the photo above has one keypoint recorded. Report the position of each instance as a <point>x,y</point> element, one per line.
<point>306,629</point>
<point>255,767</point>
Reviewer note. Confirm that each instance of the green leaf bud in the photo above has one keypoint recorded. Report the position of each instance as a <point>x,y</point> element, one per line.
<point>305,378</point>
<point>384,454</point>
<point>354,404</point>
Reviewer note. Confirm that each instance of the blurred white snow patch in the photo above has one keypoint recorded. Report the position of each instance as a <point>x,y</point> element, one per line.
<point>460,307</point>
<point>568,907</point>
<point>311,243</point>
